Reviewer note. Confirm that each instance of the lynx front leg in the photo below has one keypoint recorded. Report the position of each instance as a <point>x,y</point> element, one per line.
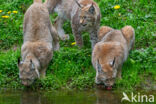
<point>119,72</point>
<point>77,36</point>
<point>43,73</point>
<point>54,33</point>
<point>58,24</point>
<point>93,38</point>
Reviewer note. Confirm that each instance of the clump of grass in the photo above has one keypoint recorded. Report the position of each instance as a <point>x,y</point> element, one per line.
<point>9,71</point>
<point>140,63</point>
<point>72,68</point>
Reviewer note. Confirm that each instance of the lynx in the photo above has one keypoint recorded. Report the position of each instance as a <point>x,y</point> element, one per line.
<point>40,39</point>
<point>111,52</point>
<point>84,15</point>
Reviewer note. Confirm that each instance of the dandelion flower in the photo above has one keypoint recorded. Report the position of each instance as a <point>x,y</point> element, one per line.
<point>1,11</point>
<point>9,12</point>
<point>73,43</point>
<point>116,6</point>
<point>119,14</point>
<point>5,16</point>
<point>15,12</point>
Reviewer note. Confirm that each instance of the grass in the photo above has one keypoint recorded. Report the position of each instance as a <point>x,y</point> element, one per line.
<point>71,67</point>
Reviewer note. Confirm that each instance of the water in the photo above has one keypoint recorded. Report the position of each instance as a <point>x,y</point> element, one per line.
<point>98,96</point>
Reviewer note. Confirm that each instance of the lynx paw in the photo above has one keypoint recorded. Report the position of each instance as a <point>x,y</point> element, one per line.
<point>119,77</point>
<point>57,47</point>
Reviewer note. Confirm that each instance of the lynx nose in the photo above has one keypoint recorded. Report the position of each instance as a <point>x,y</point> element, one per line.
<point>84,24</point>
<point>25,83</point>
<point>81,21</point>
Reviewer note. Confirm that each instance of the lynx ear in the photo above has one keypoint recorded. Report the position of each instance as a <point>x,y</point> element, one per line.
<point>99,68</point>
<point>112,62</point>
<point>92,9</point>
<point>18,60</point>
<point>32,66</point>
<point>78,3</point>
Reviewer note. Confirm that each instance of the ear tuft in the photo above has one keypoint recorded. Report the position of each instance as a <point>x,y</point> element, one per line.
<point>19,60</point>
<point>32,67</point>
<point>112,62</point>
<point>78,3</point>
<point>99,68</point>
<point>92,9</point>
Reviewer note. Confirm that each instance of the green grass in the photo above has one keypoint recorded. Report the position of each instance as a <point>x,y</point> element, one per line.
<point>71,67</point>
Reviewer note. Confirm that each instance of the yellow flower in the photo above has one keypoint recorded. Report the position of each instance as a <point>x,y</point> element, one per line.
<point>5,16</point>
<point>9,12</point>
<point>116,6</point>
<point>73,43</point>
<point>1,11</point>
<point>119,14</point>
<point>15,12</point>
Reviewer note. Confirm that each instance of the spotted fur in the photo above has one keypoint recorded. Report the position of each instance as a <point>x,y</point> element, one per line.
<point>84,15</point>
<point>40,39</point>
<point>111,52</point>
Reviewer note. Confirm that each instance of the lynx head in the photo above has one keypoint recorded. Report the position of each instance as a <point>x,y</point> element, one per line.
<point>27,72</point>
<point>87,14</point>
<point>105,61</point>
<point>106,72</point>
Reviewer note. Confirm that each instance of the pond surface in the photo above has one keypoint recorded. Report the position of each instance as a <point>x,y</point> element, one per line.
<point>97,96</point>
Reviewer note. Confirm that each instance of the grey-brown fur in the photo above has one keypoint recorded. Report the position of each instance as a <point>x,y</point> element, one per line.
<point>70,10</point>
<point>40,40</point>
<point>111,52</point>
<point>51,4</point>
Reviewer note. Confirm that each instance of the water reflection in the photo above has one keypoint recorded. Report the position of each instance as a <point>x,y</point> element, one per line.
<point>29,97</point>
<point>58,97</point>
<point>98,96</point>
<point>107,97</point>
